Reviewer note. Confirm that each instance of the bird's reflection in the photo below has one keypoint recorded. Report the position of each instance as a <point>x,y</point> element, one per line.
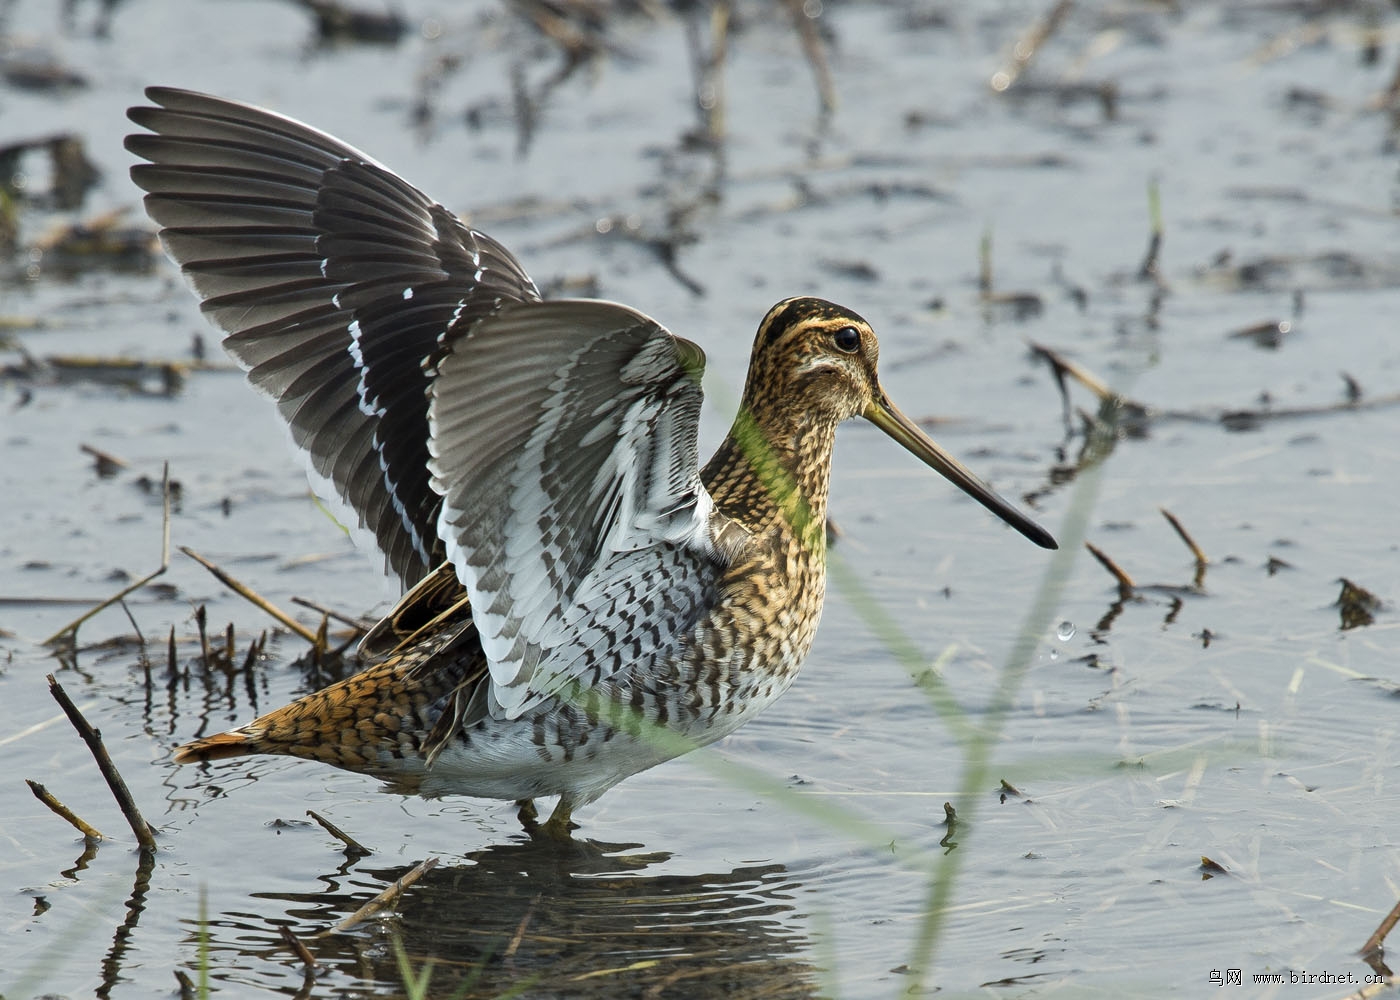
<point>582,920</point>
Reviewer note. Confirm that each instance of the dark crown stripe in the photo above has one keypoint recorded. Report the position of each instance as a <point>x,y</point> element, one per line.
<point>804,309</point>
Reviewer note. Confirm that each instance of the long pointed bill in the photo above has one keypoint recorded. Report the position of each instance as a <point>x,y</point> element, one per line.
<point>886,416</point>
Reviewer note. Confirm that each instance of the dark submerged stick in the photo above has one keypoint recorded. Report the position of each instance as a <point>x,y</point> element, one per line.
<point>300,950</point>
<point>1148,270</point>
<point>352,846</point>
<point>1372,947</point>
<point>145,833</point>
<point>201,618</point>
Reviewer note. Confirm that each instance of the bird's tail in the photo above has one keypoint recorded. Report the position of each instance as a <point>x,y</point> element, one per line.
<point>234,743</point>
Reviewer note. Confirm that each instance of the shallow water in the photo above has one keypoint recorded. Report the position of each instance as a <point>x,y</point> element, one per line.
<point>802,856</point>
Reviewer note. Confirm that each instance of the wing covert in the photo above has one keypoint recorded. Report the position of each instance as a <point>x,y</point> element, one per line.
<point>565,444</point>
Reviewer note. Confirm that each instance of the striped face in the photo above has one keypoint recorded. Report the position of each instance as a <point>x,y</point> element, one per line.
<point>815,361</point>
<point>818,356</point>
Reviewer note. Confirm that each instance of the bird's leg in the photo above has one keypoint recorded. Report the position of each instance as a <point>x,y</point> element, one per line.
<point>559,826</point>
<point>529,816</point>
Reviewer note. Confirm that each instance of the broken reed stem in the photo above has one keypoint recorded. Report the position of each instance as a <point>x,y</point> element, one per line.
<point>145,833</point>
<point>984,263</point>
<point>519,934</point>
<point>1373,943</point>
<point>134,627</point>
<point>1148,270</point>
<point>1126,586</point>
<point>188,989</point>
<point>351,844</point>
<point>1185,536</point>
<point>1064,366</point>
<point>107,463</point>
<point>71,628</point>
<point>247,593</point>
<point>201,618</point>
<point>293,942</point>
<point>359,624</point>
<point>255,649</point>
<point>385,899</point>
<point>89,832</point>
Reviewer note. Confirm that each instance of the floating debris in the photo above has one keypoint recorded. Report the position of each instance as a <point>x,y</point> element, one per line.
<point>99,243</point>
<point>339,22</point>
<point>1268,335</point>
<point>149,378</point>
<point>37,69</point>
<point>1358,605</point>
<point>71,173</point>
<point>1210,869</point>
<point>106,465</point>
<point>1275,565</point>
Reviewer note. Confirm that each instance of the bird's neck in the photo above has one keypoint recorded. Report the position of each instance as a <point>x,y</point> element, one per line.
<point>775,474</point>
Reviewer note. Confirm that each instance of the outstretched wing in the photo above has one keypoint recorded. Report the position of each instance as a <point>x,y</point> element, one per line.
<point>564,443</point>
<point>335,282</point>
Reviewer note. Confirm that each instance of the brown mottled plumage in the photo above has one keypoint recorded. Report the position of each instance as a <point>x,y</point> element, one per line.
<point>586,601</point>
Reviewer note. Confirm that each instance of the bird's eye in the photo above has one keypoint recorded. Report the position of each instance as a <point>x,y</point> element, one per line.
<point>847,339</point>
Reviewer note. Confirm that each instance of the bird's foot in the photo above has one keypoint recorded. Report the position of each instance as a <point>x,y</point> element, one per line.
<point>529,816</point>
<point>559,827</point>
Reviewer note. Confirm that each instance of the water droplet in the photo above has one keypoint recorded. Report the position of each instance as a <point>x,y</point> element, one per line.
<point>1066,631</point>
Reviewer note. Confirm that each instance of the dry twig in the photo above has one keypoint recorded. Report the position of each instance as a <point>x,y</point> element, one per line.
<point>295,944</point>
<point>1126,586</point>
<point>1373,943</point>
<point>145,833</point>
<point>386,898</point>
<point>1201,562</point>
<point>248,594</point>
<point>90,833</point>
<point>351,844</point>
<point>358,624</point>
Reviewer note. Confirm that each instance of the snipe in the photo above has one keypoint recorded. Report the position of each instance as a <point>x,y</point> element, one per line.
<point>585,599</point>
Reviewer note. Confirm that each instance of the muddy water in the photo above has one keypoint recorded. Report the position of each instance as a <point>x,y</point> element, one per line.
<point>1233,718</point>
